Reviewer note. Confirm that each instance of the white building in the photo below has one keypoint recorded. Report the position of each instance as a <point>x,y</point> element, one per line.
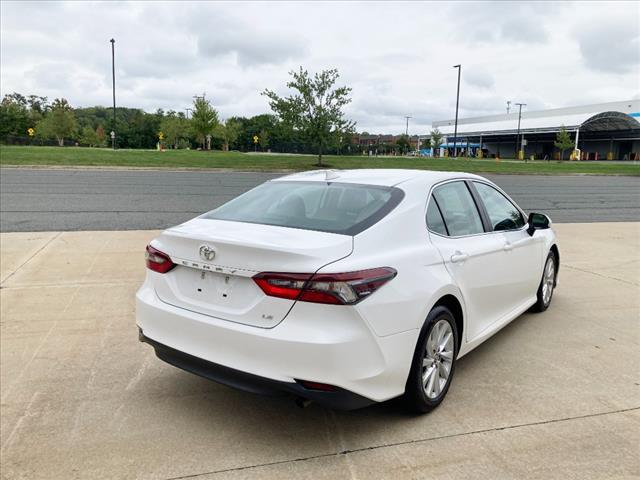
<point>605,130</point>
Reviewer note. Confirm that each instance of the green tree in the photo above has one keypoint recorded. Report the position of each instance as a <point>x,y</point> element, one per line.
<point>315,108</point>
<point>248,127</point>
<point>14,116</point>
<point>341,140</point>
<point>101,135</point>
<point>204,119</point>
<point>436,141</point>
<point>175,128</point>
<point>89,137</point>
<point>563,141</point>
<point>263,139</point>
<point>403,143</point>
<point>37,108</point>
<point>384,147</point>
<point>228,132</point>
<point>59,122</point>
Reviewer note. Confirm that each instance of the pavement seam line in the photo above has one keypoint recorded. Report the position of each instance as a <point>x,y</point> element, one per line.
<point>30,258</point>
<point>600,275</point>
<point>406,442</point>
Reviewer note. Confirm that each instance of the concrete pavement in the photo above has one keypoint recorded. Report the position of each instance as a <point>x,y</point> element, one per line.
<point>553,395</point>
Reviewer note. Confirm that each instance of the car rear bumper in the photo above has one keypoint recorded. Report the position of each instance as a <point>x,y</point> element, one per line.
<point>334,347</point>
<point>339,399</point>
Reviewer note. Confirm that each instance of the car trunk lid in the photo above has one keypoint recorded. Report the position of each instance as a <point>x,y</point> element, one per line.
<point>217,259</point>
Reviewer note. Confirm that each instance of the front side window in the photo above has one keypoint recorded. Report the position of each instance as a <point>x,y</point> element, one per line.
<point>342,208</point>
<point>458,209</point>
<point>503,214</point>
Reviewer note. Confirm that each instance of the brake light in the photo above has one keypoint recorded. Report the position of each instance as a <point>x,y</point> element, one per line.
<point>157,260</point>
<point>331,288</point>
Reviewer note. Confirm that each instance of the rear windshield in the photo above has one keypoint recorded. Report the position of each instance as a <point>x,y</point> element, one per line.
<point>343,208</point>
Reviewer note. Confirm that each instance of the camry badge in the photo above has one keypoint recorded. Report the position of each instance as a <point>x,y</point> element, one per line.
<point>207,252</point>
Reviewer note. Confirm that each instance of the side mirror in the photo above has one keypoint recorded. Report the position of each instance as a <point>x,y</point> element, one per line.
<point>537,221</point>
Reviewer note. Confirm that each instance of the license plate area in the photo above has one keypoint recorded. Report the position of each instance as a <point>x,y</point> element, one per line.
<point>223,295</point>
<point>211,291</point>
<point>214,285</point>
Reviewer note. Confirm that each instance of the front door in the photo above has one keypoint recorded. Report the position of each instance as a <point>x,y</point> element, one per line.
<point>523,252</point>
<point>476,259</point>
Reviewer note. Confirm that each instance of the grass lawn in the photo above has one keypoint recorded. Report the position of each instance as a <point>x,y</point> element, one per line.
<point>103,157</point>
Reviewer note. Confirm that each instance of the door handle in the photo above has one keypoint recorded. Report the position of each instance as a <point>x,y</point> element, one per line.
<point>507,246</point>
<point>458,256</point>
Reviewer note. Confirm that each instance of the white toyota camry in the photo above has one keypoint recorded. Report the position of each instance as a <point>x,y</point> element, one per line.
<point>345,287</point>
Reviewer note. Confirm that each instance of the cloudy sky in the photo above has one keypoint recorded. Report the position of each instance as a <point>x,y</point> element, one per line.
<point>396,56</point>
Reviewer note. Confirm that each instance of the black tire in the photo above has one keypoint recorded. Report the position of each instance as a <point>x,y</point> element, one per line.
<point>415,396</point>
<point>541,305</point>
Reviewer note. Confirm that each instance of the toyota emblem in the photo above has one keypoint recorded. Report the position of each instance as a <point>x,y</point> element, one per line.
<point>207,252</point>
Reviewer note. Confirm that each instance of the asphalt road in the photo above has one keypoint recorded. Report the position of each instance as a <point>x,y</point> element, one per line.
<point>66,200</point>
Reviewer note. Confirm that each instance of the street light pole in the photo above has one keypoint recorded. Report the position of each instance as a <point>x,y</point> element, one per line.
<point>113,76</point>
<point>406,131</point>
<point>455,129</point>
<point>520,105</point>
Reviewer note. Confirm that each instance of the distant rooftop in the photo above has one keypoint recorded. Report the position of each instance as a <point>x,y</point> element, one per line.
<point>601,116</point>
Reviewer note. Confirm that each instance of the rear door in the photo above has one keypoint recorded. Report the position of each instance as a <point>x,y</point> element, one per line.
<point>474,258</point>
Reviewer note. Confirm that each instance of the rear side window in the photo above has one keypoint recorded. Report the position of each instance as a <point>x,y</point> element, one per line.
<point>342,208</point>
<point>503,214</point>
<point>434,219</point>
<point>458,209</point>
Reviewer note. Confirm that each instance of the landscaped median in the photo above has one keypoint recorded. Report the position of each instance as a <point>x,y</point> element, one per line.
<point>103,157</point>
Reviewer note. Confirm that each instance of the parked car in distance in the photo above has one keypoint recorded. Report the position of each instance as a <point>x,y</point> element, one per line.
<point>346,287</point>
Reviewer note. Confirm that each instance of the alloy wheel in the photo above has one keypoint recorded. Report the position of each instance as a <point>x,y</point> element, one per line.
<point>548,280</point>
<point>438,359</point>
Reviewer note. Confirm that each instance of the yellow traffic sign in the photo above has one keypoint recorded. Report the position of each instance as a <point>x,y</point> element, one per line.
<point>160,135</point>
<point>255,139</point>
<point>31,132</point>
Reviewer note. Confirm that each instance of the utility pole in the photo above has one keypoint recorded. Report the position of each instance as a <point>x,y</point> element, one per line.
<point>187,110</point>
<point>406,133</point>
<point>113,75</point>
<point>520,105</point>
<point>508,106</point>
<point>455,130</point>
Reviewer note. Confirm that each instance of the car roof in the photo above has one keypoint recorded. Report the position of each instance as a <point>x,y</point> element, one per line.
<point>379,176</point>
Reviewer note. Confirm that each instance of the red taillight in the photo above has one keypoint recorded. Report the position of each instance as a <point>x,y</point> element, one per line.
<point>283,285</point>
<point>157,260</point>
<point>331,288</point>
<point>323,387</point>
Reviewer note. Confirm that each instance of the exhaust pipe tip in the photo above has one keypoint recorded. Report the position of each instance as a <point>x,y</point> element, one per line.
<point>303,402</point>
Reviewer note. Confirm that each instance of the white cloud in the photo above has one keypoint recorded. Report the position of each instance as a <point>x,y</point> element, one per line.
<point>615,47</point>
<point>479,78</point>
<point>396,56</point>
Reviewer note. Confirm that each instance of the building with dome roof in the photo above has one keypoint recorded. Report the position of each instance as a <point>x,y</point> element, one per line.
<point>601,131</point>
